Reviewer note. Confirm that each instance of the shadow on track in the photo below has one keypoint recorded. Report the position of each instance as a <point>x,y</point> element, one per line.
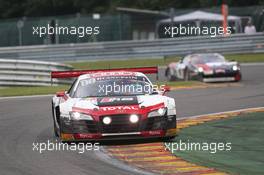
<point>124,142</point>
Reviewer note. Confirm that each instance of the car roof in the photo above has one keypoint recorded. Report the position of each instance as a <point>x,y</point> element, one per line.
<point>111,73</point>
<point>203,54</point>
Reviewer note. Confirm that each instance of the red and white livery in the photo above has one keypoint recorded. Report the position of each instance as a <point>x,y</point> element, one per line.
<point>112,104</point>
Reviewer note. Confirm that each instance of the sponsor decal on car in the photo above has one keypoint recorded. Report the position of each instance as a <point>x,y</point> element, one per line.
<point>112,99</point>
<point>117,101</point>
<point>219,71</point>
<point>110,74</point>
<point>113,108</point>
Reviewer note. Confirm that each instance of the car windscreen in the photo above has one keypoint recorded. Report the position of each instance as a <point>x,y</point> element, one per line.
<point>207,58</point>
<point>113,86</point>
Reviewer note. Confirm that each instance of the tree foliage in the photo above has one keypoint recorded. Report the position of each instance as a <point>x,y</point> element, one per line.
<point>32,8</point>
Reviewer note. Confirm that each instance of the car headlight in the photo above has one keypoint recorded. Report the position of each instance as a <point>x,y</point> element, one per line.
<point>200,69</point>
<point>80,116</point>
<point>157,113</point>
<point>235,68</point>
<point>134,118</point>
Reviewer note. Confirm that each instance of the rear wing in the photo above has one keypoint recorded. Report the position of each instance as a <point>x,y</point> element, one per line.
<point>77,73</point>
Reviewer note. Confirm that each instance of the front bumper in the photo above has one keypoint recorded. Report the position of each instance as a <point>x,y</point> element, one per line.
<point>222,77</point>
<point>120,128</point>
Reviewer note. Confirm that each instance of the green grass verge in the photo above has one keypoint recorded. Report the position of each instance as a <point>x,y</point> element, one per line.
<point>245,133</point>
<point>180,83</point>
<point>24,91</point>
<point>107,64</point>
<point>246,58</point>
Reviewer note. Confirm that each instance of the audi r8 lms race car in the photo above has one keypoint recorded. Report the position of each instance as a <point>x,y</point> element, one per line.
<point>112,104</point>
<point>209,67</point>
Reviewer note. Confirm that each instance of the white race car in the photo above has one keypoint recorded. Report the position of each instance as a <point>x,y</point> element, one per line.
<point>207,67</point>
<point>96,107</point>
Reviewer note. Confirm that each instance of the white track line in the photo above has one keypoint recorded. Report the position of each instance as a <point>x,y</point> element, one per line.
<point>252,64</point>
<point>218,113</point>
<point>29,96</point>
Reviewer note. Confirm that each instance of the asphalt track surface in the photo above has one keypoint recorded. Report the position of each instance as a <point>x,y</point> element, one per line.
<point>27,120</point>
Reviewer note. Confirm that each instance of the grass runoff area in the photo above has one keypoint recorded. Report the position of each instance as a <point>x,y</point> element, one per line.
<point>107,64</point>
<point>245,132</point>
<point>25,91</point>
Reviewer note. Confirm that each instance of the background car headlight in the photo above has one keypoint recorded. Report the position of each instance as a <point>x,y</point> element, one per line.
<point>200,69</point>
<point>235,68</point>
<point>157,113</point>
<point>80,116</point>
<point>133,118</point>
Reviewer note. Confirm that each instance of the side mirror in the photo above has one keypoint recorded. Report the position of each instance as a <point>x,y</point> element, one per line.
<point>165,89</point>
<point>60,93</point>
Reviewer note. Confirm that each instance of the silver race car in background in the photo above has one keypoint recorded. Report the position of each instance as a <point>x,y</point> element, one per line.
<point>209,67</point>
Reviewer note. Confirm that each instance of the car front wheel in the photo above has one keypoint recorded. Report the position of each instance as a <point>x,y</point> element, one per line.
<point>186,75</point>
<point>54,115</point>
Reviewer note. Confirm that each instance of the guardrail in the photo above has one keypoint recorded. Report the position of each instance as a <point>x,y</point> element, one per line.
<point>235,43</point>
<point>30,73</point>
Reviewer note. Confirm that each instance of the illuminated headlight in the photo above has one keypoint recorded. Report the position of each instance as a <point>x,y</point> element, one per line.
<point>235,68</point>
<point>107,120</point>
<point>200,69</point>
<point>80,116</point>
<point>157,113</point>
<point>133,118</point>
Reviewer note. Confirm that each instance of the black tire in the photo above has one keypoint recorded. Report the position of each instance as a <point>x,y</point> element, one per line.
<point>200,78</point>
<point>167,71</point>
<point>187,75</point>
<point>169,138</point>
<point>169,76</point>
<point>55,129</point>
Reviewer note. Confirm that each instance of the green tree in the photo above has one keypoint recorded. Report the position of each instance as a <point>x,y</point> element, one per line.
<point>19,8</point>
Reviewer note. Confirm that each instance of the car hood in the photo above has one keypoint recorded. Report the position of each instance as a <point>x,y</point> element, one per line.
<point>117,104</point>
<point>217,65</point>
<point>141,100</point>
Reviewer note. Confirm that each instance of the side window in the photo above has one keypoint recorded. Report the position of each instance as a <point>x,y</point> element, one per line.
<point>186,60</point>
<point>70,91</point>
<point>146,79</point>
